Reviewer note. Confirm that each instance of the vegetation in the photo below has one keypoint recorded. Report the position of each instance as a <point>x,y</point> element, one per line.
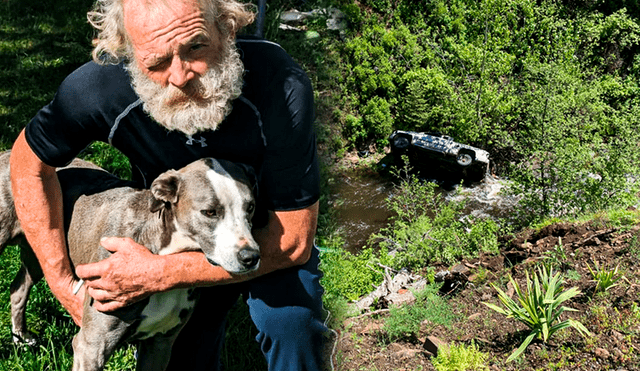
<point>549,88</point>
<point>405,321</point>
<point>460,358</point>
<point>539,307</point>
<point>605,279</point>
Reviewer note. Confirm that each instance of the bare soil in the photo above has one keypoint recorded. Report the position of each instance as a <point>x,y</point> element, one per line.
<point>612,317</point>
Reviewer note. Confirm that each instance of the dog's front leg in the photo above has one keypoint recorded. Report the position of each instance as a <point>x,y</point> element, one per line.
<point>97,339</point>
<point>154,353</point>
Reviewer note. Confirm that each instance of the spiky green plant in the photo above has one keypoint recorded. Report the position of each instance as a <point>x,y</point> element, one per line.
<point>539,307</point>
<point>604,278</point>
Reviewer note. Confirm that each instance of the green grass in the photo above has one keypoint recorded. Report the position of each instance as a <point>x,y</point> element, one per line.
<point>40,43</point>
<point>55,330</point>
<point>404,321</point>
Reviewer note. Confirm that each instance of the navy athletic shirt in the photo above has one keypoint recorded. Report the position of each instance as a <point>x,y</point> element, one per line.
<point>270,127</point>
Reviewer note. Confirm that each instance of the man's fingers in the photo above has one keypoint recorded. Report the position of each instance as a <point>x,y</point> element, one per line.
<point>100,295</point>
<point>90,271</point>
<point>108,306</point>
<point>112,243</point>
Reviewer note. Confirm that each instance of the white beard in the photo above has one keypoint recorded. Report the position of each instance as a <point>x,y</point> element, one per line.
<point>202,105</point>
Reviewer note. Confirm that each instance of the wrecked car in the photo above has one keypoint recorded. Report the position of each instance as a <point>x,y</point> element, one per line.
<point>440,155</point>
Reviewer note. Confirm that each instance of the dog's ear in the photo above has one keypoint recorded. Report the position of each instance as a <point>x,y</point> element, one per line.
<point>165,189</point>
<point>251,176</point>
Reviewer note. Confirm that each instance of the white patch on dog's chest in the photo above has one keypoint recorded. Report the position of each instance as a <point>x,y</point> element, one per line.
<point>163,312</point>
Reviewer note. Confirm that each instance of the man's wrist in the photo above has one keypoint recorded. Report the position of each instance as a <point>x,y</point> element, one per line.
<point>165,276</point>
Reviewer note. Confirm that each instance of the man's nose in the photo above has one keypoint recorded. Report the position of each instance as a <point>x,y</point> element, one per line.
<point>180,72</point>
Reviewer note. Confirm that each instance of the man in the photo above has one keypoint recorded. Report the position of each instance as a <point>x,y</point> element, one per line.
<point>169,84</point>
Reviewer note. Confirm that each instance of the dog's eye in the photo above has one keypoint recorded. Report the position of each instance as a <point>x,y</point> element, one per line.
<point>212,213</point>
<point>250,208</point>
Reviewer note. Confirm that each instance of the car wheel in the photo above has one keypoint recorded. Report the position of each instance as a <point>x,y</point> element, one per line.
<point>464,159</point>
<point>401,142</point>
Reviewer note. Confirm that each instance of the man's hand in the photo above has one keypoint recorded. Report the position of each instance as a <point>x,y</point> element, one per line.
<point>131,274</point>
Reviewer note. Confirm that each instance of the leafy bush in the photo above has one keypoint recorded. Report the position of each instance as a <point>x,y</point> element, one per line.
<point>426,228</point>
<point>361,269</point>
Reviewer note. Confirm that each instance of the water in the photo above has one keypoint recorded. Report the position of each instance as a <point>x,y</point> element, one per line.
<point>360,203</point>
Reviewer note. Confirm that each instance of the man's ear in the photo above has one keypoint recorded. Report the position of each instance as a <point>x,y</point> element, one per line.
<point>165,189</point>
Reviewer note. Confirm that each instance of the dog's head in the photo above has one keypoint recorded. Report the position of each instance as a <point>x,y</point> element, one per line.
<point>208,206</point>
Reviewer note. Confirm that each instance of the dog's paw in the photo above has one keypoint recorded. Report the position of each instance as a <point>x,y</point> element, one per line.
<point>27,338</point>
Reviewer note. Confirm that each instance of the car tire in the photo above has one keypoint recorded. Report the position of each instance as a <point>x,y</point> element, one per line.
<point>464,159</point>
<point>401,143</point>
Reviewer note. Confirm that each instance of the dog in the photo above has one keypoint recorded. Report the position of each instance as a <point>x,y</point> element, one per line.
<point>206,206</point>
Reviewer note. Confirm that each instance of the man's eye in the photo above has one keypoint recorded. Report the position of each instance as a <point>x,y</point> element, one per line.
<point>195,47</point>
<point>159,66</point>
<point>210,213</point>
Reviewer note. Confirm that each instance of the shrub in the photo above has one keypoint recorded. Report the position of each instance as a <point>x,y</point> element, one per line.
<point>427,228</point>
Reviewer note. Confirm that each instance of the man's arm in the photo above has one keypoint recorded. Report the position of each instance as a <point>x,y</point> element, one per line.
<point>285,242</point>
<point>38,203</point>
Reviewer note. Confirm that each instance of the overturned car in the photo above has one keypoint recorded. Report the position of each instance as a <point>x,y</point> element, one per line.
<point>440,155</point>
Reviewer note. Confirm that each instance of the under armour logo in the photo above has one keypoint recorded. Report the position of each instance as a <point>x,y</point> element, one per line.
<point>201,141</point>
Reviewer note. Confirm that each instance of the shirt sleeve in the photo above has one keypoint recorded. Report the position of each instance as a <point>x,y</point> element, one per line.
<point>73,119</point>
<point>290,173</point>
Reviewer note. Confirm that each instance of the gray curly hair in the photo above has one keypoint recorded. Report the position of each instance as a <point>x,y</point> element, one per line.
<point>112,43</point>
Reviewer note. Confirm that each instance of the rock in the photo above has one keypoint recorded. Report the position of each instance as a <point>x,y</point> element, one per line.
<point>602,353</point>
<point>399,298</point>
<point>396,290</point>
<point>460,268</point>
<point>432,344</point>
<point>407,353</point>
<point>510,290</point>
<point>474,316</point>
<point>440,276</point>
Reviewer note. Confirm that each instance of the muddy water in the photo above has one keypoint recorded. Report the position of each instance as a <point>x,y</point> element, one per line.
<point>360,203</point>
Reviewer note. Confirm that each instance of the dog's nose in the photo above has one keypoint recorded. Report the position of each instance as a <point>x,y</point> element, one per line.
<point>248,257</point>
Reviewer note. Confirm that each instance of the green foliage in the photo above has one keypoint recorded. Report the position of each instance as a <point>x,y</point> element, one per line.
<point>404,321</point>
<point>550,89</point>
<point>427,228</point>
<point>556,258</point>
<point>603,277</point>
<point>459,357</point>
<point>362,270</point>
<point>539,307</point>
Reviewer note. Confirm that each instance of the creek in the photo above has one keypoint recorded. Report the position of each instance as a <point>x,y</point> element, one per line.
<point>360,202</point>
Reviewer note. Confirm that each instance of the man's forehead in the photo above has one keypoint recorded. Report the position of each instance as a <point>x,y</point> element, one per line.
<point>164,25</point>
<point>158,13</point>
